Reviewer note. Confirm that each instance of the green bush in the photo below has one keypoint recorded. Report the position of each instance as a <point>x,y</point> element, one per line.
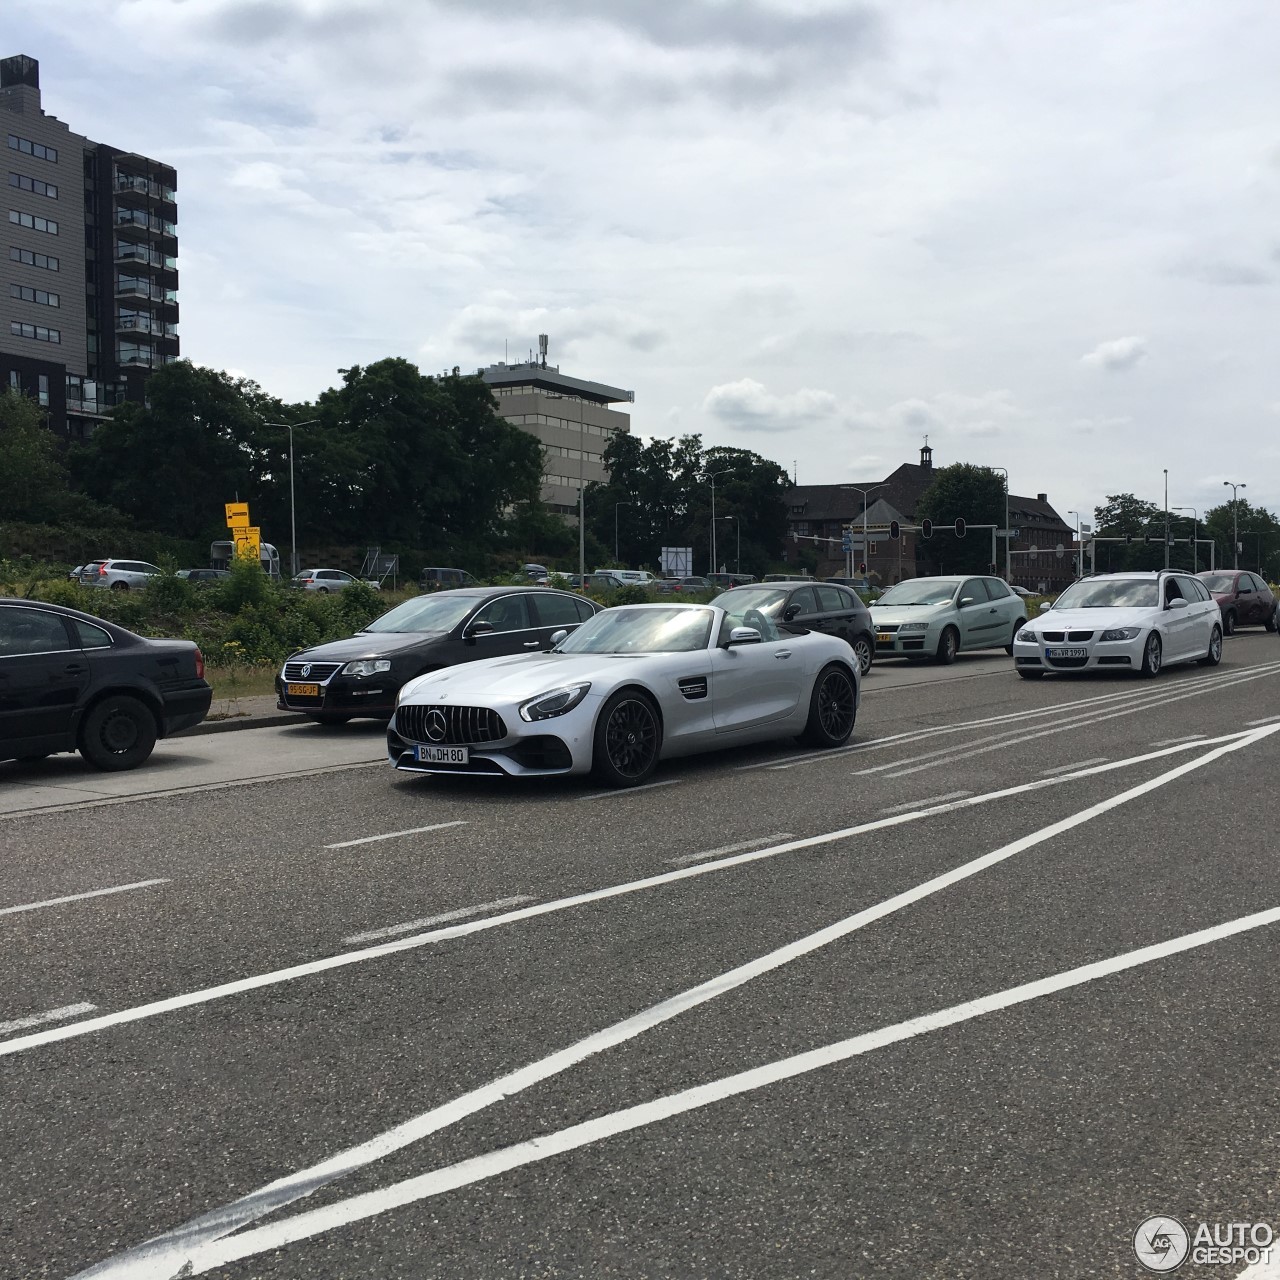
<point>247,585</point>
<point>170,594</point>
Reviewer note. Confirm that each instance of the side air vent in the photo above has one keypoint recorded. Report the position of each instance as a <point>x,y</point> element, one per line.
<point>693,687</point>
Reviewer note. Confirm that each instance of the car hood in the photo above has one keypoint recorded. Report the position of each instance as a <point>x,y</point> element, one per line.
<point>377,644</point>
<point>896,615</point>
<point>494,680</point>
<point>1223,597</point>
<point>1092,619</point>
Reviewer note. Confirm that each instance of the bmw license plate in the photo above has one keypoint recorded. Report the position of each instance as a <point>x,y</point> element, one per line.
<point>441,755</point>
<point>303,690</point>
<point>1066,653</point>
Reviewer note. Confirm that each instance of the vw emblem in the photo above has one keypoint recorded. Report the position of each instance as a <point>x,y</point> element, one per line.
<point>306,670</point>
<point>437,725</point>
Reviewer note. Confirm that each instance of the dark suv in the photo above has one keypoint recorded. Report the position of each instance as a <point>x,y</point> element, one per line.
<point>820,606</point>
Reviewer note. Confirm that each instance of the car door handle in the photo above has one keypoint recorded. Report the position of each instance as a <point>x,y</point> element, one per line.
<point>783,653</point>
<point>533,644</point>
<point>75,669</point>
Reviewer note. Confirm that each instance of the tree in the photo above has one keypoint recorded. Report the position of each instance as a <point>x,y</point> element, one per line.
<point>33,481</point>
<point>975,495</point>
<point>1259,536</point>
<point>1126,515</point>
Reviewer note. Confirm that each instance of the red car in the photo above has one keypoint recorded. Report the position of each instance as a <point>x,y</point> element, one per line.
<point>1245,600</point>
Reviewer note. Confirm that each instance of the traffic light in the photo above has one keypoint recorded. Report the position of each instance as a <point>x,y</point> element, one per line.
<point>895,529</point>
<point>1128,538</point>
<point>959,528</point>
<point>862,567</point>
<point>926,528</point>
<point>1146,539</point>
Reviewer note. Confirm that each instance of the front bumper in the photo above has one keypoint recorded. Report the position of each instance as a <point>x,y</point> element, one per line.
<point>896,642</point>
<point>1092,654</point>
<point>346,695</point>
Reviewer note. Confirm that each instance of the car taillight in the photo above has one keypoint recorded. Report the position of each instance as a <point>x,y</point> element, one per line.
<point>102,571</point>
<point>199,665</point>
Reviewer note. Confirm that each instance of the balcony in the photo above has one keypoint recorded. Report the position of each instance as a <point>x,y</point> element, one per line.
<point>138,220</point>
<point>137,188</point>
<point>128,254</point>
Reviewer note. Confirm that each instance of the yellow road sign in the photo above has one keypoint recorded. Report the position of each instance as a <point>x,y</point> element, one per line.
<point>248,542</point>
<point>237,515</point>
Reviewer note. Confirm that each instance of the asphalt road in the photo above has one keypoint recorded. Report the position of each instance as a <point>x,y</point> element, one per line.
<point>975,996</point>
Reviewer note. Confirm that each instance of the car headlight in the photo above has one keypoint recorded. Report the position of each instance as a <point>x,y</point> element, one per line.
<point>914,626</point>
<point>555,702</point>
<point>1026,637</point>
<point>1121,633</point>
<point>366,667</point>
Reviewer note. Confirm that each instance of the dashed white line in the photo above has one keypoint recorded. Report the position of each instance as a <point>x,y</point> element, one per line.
<point>1067,768</point>
<point>461,913</point>
<point>921,804</point>
<point>1173,742</point>
<point>80,897</point>
<point>392,835</point>
<point>690,858</point>
<point>39,1019</point>
<point>1253,724</point>
<point>629,791</point>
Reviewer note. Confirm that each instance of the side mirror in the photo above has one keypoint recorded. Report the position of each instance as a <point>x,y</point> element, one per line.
<point>558,637</point>
<point>791,611</point>
<point>1045,606</point>
<point>1179,603</point>
<point>743,635</point>
<point>965,601</point>
<point>479,629</point>
<point>1245,591</point>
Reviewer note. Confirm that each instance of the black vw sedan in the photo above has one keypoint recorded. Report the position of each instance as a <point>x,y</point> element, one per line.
<point>361,676</point>
<point>72,682</point>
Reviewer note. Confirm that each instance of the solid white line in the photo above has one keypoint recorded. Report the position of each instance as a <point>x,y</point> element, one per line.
<point>39,1019</point>
<point>1173,742</point>
<point>916,804</point>
<point>460,914</point>
<point>391,835</point>
<point>304,1226</point>
<point>174,1248</point>
<point>690,858</point>
<point>1067,768</point>
<point>1263,1270</point>
<point>206,995</point>
<point>1253,724</point>
<point>80,897</point>
<point>629,791</point>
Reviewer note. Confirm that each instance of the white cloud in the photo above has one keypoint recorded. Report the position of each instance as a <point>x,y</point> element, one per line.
<point>1116,355</point>
<point>749,406</point>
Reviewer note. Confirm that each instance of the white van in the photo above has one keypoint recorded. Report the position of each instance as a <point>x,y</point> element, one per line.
<point>634,577</point>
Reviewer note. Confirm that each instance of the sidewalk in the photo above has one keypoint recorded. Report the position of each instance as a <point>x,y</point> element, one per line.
<point>243,713</point>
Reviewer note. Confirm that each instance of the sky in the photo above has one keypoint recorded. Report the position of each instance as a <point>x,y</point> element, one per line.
<point>1044,234</point>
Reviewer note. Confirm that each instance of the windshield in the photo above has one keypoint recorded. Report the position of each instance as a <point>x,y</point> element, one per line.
<point>642,630</point>
<point>736,603</point>
<point>1219,582</point>
<point>921,591</point>
<point>426,613</point>
<point>1135,593</point>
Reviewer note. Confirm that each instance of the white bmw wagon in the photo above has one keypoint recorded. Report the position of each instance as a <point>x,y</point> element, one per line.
<point>1122,621</point>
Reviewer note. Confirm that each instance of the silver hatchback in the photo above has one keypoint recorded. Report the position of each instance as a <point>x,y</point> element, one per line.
<point>123,575</point>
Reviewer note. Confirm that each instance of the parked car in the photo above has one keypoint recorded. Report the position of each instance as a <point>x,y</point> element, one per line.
<point>726,580</point>
<point>72,682</point>
<point>536,572</point>
<point>635,577</point>
<point>204,575</point>
<point>436,579</point>
<point>676,586</point>
<point>858,584</point>
<point>87,574</point>
<point>693,680</point>
<point>361,676</point>
<point>1021,591</point>
<point>799,606</point>
<point>786,577</point>
<point>604,580</point>
<point>328,580</point>
<point>1127,621</point>
<point>941,617</point>
<point>1244,598</point>
<point>123,575</point>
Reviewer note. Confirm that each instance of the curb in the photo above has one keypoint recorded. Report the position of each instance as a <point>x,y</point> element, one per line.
<point>233,723</point>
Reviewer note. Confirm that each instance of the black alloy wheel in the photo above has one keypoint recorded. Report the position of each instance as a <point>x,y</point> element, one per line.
<point>628,740</point>
<point>948,646</point>
<point>833,708</point>
<point>864,652</point>
<point>118,733</point>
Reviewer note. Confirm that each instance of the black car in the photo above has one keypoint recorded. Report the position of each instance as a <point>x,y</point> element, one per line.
<point>72,682</point>
<point>821,606</point>
<point>361,676</point>
<point>204,575</point>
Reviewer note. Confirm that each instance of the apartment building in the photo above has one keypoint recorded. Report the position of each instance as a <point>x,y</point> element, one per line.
<point>569,416</point>
<point>89,272</point>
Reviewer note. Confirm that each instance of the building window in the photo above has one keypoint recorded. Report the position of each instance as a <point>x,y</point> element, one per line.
<point>42,260</point>
<point>15,383</point>
<point>42,296</point>
<point>36,149</point>
<point>34,185</point>
<point>35,223</point>
<point>43,394</point>
<point>36,331</point>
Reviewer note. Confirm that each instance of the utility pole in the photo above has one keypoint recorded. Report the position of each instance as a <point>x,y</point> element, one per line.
<point>712,477</point>
<point>293,519</point>
<point>1166,517</point>
<point>1195,534</point>
<point>1008,540</point>
<point>1235,529</point>
<point>1080,546</point>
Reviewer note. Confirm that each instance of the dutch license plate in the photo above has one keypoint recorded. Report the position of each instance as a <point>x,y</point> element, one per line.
<point>303,690</point>
<point>884,637</point>
<point>1066,653</point>
<point>441,755</point>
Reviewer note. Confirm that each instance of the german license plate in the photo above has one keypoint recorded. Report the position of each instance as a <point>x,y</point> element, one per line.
<point>1066,653</point>
<point>303,690</point>
<point>884,637</point>
<point>441,755</point>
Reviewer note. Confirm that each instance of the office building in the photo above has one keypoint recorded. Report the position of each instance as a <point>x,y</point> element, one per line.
<point>569,416</point>
<point>89,271</point>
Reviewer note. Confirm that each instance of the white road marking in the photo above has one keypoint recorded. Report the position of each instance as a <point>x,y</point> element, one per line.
<point>206,995</point>
<point>1253,724</point>
<point>1067,768</point>
<point>461,913</point>
<point>690,858</point>
<point>629,791</point>
<point>1173,742</point>
<point>1263,1270</point>
<point>917,804</point>
<point>209,1255</point>
<point>39,1019</point>
<point>165,1255</point>
<point>392,835</point>
<point>80,897</point>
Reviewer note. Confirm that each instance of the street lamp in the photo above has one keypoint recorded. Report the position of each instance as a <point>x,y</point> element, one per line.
<point>737,560</point>
<point>1166,517</point>
<point>1008,539</point>
<point>1235,530</point>
<point>1195,533</point>
<point>617,559</point>
<point>293,522</point>
<point>711,475</point>
<point>865,493</point>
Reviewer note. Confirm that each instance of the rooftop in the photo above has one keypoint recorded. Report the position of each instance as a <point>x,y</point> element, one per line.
<point>549,378</point>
